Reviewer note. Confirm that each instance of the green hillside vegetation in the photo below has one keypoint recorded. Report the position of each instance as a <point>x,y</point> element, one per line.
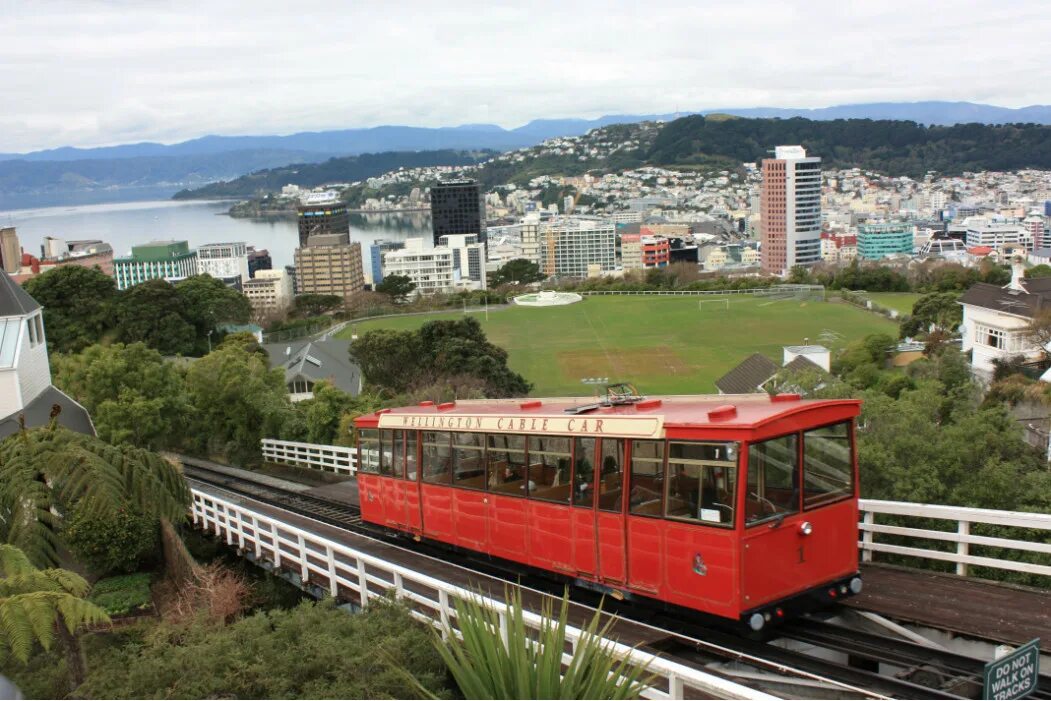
<point>886,146</point>
<point>334,170</point>
<point>665,345</point>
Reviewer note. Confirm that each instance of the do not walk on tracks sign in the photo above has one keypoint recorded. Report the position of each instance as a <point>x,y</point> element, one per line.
<point>1013,676</point>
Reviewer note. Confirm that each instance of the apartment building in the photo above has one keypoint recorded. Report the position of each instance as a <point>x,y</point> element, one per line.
<point>981,231</point>
<point>168,260</point>
<point>432,270</point>
<point>579,248</point>
<point>638,252</point>
<point>269,292</point>
<point>468,256</point>
<point>224,261</point>
<point>790,206</point>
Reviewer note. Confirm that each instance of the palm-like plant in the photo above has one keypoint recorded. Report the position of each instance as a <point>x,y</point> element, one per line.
<point>488,663</point>
<point>46,472</point>
<point>38,605</point>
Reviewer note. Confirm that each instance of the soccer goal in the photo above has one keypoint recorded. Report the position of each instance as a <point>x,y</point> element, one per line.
<point>723,303</point>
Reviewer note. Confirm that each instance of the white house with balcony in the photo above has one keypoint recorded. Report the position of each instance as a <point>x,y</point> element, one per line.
<point>27,396</point>
<point>995,320</point>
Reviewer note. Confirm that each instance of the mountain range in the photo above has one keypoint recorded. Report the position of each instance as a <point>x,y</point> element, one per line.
<point>57,172</point>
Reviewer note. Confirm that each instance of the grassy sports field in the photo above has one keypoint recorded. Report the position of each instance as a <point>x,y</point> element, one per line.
<point>665,345</point>
<point>900,301</point>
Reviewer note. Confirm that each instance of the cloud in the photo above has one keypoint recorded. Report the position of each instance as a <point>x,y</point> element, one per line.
<point>92,73</point>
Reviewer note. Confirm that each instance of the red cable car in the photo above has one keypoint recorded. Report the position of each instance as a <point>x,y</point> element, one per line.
<point>743,507</point>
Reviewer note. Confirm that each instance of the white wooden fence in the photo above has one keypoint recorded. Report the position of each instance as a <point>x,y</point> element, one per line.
<point>330,458</point>
<point>755,291</point>
<point>959,520</point>
<point>343,570</point>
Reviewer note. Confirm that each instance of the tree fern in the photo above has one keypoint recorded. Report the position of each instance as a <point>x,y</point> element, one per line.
<point>46,472</point>
<point>34,602</point>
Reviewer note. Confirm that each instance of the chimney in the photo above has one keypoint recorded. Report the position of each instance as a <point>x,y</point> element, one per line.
<point>1017,274</point>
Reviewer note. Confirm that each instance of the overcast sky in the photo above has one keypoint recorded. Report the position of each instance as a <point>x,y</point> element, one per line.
<point>98,73</point>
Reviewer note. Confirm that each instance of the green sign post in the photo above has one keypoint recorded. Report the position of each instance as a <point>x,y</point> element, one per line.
<point>1013,676</point>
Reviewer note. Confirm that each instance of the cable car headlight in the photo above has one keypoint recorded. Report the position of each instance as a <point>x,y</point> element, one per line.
<point>806,528</point>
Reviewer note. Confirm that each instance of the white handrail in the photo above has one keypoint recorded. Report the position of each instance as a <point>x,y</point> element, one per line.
<point>341,568</point>
<point>963,517</point>
<point>330,458</point>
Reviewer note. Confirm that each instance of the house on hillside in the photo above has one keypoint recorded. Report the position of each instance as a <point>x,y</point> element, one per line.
<point>307,362</point>
<point>995,320</point>
<point>26,393</point>
<point>753,373</point>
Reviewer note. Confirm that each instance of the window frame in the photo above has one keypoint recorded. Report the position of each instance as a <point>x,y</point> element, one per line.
<point>798,435</point>
<point>424,444</point>
<point>365,439</point>
<point>483,454</point>
<point>660,474</point>
<point>851,441</point>
<point>504,449</point>
<point>734,465</point>
<point>545,452</point>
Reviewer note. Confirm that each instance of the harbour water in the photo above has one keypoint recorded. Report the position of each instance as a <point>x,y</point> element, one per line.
<point>125,224</point>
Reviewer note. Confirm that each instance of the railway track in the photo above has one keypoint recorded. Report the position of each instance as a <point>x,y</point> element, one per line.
<point>920,672</point>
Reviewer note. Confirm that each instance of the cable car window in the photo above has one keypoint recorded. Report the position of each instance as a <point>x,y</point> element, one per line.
<point>410,455</point>
<point>647,478</point>
<point>702,481</point>
<point>773,479</point>
<point>611,476</point>
<point>469,460</point>
<point>584,471</point>
<point>828,470</point>
<point>549,462</point>
<point>369,450</point>
<point>507,464</point>
<point>391,461</point>
<point>437,457</point>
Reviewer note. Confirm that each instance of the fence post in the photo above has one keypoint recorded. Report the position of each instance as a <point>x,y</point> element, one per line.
<point>330,560</point>
<point>256,539</point>
<point>303,569</point>
<point>443,612</point>
<point>276,543</point>
<point>963,549</point>
<point>363,583</point>
<point>866,537</point>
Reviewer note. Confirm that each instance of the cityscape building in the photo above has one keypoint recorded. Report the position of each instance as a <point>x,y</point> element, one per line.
<point>224,261</point>
<point>639,251</point>
<point>790,207</point>
<point>579,247</point>
<point>438,269</point>
<point>457,207</point>
<point>374,273</point>
<point>321,213</point>
<point>169,260</point>
<point>258,260</point>
<point>329,265</point>
<point>982,231</point>
<point>876,241</point>
<point>10,250</point>
<point>468,256</point>
<point>269,292</point>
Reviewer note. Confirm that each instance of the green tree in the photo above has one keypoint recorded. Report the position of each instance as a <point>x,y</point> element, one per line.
<point>207,302</point>
<point>397,287</point>
<point>118,542</point>
<point>1038,271</point>
<point>389,360</point>
<point>323,414</point>
<point>236,400</point>
<point>152,312</point>
<point>316,305</point>
<point>134,395</point>
<point>38,605</point>
<point>50,472</point>
<point>488,665</point>
<point>518,271</point>
<point>78,305</point>
<point>333,655</point>
<point>941,310</point>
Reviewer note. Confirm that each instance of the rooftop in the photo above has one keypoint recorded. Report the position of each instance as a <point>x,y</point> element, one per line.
<point>14,301</point>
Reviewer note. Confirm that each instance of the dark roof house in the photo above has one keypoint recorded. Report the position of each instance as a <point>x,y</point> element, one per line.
<point>308,362</point>
<point>752,373</point>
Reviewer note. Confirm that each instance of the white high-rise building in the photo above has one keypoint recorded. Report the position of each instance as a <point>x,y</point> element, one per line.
<point>468,255</point>
<point>579,247</point>
<point>790,205</point>
<point>223,261</point>
<point>432,270</point>
<point>269,292</point>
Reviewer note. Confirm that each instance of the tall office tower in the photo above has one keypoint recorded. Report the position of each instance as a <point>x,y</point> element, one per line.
<point>790,206</point>
<point>322,213</point>
<point>224,261</point>
<point>1034,224</point>
<point>329,265</point>
<point>10,250</point>
<point>457,207</point>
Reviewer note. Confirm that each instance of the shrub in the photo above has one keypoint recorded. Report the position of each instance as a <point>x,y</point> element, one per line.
<point>121,542</point>
<point>123,595</point>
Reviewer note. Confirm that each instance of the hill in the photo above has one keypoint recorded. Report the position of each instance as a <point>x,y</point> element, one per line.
<point>334,170</point>
<point>886,146</point>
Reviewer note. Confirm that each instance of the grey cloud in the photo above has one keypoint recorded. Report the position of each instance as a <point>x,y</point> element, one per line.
<point>92,73</point>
